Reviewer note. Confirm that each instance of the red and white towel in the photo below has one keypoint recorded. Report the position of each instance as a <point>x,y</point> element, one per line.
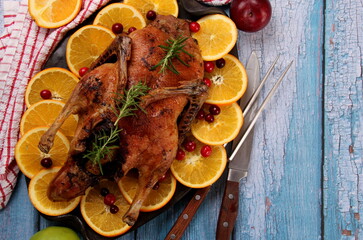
<point>24,48</point>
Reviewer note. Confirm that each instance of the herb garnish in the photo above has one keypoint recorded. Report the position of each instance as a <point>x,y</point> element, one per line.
<point>172,48</point>
<point>126,104</point>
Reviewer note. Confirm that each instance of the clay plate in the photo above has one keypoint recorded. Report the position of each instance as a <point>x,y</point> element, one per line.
<point>188,9</point>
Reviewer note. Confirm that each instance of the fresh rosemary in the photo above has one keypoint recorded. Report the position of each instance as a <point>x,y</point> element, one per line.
<point>173,48</point>
<point>126,105</point>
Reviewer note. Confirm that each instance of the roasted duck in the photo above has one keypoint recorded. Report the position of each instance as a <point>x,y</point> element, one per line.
<point>149,139</point>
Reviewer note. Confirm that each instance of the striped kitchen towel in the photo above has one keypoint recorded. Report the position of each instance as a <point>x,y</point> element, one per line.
<point>24,48</point>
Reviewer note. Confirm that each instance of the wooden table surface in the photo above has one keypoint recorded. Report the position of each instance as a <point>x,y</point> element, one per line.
<point>306,175</point>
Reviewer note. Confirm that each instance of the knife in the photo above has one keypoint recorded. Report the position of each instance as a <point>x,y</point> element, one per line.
<point>238,168</point>
<point>240,159</point>
<point>185,217</point>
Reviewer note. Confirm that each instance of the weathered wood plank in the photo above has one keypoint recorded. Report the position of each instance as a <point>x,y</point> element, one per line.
<point>282,196</point>
<point>343,152</point>
<point>19,220</point>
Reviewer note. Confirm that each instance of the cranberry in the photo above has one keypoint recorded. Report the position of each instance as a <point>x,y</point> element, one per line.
<point>45,94</point>
<point>208,66</point>
<point>109,199</point>
<point>220,63</point>
<point>113,209</point>
<point>156,186</point>
<point>117,28</point>
<point>190,145</point>
<point>162,178</point>
<point>83,71</point>
<point>151,15</point>
<point>200,114</point>
<point>214,109</point>
<point>180,154</point>
<point>131,29</point>
<point>207,82</point>
<point>209,118</point>
<point>104,192</point>
<point>194,27</point>
<point>206,151</point>
<point>46,162</point>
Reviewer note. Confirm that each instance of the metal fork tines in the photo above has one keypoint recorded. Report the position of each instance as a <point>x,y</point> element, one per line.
<point>253,100</point>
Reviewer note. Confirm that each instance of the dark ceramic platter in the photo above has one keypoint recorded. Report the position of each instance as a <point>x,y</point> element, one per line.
<point>188,9</point>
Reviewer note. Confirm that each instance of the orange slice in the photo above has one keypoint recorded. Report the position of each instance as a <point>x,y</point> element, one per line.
<point>28,155</point>
<point>54,13</point>
<point>223,129</point>
<point>59,81</point>
<point>228,83</point>
<point>196,171</point>
<point>125,14</point>
<point>98,216</point>
<point>37,190</point>
<point>44,113</point>
<point>163,7</point>
<point>156,199</point>
<point>86,45</point>
<point>216,37</point>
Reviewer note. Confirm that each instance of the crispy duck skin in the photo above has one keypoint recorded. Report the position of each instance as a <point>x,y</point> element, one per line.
<point>149,140</point>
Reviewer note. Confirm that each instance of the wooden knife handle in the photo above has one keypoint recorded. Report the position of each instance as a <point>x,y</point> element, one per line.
<point>186,216</point>
<point>228,212</point>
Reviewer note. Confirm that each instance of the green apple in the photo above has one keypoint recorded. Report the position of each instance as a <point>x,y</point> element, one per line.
<point>55,233</point>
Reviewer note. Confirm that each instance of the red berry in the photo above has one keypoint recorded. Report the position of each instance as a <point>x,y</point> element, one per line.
<point>220,63</point>
<point>207,82</point>
<point>194,27</point>
<point>109,199</point>
<point>113,209</point>
<point>104,192</point>
<point>200,114</point>
<point>180,154</point>
<point>117,28</point>
<point>156,186</point>
<point>214,109</point>
<point>208,66</point>
<point>83,71</point>
<point>46,162</point>
<point>162,178</point>
<point>206,151</point>
<point>190,145</point>
<point>131,29</point>
<point>45,94</point>
<point>209,118</point>
<point>151,15</point>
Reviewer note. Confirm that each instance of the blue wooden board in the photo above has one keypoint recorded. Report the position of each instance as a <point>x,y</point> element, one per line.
<point>306,175</point>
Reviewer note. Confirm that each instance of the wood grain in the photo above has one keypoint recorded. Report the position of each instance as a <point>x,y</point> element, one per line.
<point>343,119</point>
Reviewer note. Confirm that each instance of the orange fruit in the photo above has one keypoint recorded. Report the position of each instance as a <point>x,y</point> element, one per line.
<point>196,171</point>
<point>223,129</point>
<point>59,81</point>
<point>37,190</point>
<point>163,7</point>
<point>228,83</point>
<point>44,113</point>
<point>125,14</point>
<point>216,37</point>
<point>86,45</point>
<point>53,13</point>
<point>28,155</point>
<point>97,214</point>
<point>156,199</point>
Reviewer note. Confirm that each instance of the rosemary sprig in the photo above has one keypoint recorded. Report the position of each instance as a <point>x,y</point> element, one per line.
<point>126,105</point>
<point>173,48</point>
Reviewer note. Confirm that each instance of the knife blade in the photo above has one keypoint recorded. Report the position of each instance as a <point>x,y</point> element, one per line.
<point>238,168</point>
<point>229,209</point>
